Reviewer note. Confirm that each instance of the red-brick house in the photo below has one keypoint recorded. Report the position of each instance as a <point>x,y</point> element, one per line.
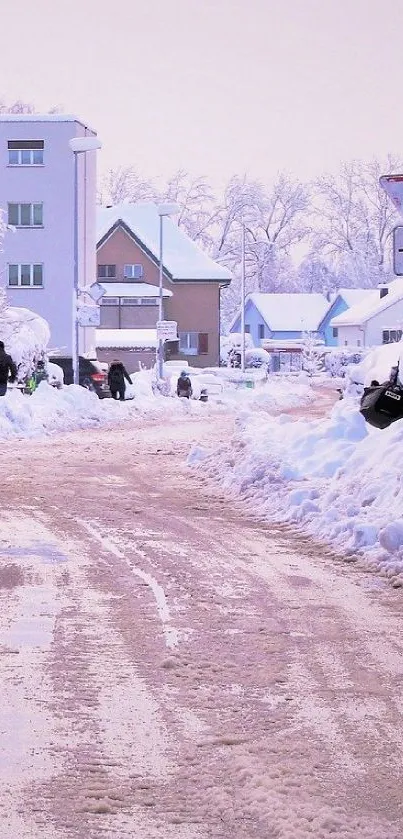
<point>128,268</point>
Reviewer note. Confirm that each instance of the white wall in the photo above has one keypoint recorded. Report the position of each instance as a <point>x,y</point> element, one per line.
<point>352,336</point>
<point>390,318</point>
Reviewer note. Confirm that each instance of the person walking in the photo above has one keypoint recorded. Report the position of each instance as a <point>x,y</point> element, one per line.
<point>7,369</point>
<point>116,379</point>
<point>184,385</point>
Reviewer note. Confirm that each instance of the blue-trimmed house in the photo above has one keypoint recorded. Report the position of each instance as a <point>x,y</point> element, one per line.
<point>344,299</point>
<point>282,316</point>
<point>288,317</point>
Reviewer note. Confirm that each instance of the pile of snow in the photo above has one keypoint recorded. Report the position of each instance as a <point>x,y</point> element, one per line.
<point>336,477</point>
<point>378,364</point>
<point>50,409</point>
<point>25,335</point>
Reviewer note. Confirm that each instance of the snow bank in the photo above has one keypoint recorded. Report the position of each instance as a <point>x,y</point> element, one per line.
<point>50,410</point>
<point>377,364</point>
<point>337,477</point>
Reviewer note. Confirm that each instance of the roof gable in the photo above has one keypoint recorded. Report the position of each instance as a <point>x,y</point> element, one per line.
<point>370,306</point>
<point>183,259</point>
<point>290,312</point>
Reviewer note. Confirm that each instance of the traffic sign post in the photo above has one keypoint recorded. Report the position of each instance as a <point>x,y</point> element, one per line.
<point>88,315</point>
<point>167,330</point>
<point>398,250</point>
<point>393,186</point>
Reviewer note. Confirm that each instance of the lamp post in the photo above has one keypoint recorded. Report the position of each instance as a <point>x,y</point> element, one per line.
<point>162,210</point>
<point>78,145</point>
<point>243,298</point>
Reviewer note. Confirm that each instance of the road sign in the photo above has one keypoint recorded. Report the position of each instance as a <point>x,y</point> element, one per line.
<point>393,186</point>
<point>167,330</point>
<point>96,292</point>
<point>398,250</point>
<point>88,315</point>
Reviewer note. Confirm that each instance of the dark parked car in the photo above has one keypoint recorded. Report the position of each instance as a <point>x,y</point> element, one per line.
<point>91,375</point>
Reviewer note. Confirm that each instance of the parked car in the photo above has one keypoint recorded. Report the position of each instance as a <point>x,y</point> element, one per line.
<point>91,374</point>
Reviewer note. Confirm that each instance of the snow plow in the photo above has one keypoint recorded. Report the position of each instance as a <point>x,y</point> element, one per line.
<point>382,404</point>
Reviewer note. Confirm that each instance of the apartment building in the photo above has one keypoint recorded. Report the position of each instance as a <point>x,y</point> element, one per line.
<point>37,200</point>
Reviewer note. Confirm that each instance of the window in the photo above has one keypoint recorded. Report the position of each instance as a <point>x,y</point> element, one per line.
<point>106,272</point>
<point>25,275</point>
<point>193,343</point>
<point>110,301</point>
<point>25,215</point>
<point>390,336</point>
<point>247,328</point>
<point>261,331</point>
<point>335,332</point>
<point>25,152</point>
<point>148,301</point>
<point>133,272</point>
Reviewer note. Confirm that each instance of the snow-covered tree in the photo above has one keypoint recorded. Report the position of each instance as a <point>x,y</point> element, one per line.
<point>354,220</point>
<point>125,184</point>
<point>276,220</point>
<point>312,355</point>
<point>198,209</point>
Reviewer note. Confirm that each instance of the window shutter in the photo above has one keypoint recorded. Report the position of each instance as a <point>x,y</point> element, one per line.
<point>203,343</point>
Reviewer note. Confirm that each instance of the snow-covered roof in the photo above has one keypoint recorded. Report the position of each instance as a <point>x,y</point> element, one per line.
<point>290,312</point>
<point>182,258</point>
<point>125,338</point>
<point>43,118</point>
<point>133,290</point>
<point>352,296</point>
<point>371,305</point>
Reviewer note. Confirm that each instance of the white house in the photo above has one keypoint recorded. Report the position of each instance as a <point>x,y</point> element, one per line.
<point>378,319</point>
<point>37,199</point>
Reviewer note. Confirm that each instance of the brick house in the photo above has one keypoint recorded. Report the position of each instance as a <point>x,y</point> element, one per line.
<point>128,268</point>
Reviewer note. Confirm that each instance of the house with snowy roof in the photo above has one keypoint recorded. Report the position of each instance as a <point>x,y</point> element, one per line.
<point>128,269</point>
<point>282,317</point>
<point>377,319</point>
<point>340,302</point>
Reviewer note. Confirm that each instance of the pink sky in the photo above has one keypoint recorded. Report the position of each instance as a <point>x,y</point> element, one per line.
<point>215,86</point>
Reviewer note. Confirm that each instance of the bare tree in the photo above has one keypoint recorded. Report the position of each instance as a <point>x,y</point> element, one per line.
<point>198,212</point>
<point>18,107</point>
<point>354,219</point>
<point>275,221</point>
<point>125,184</point>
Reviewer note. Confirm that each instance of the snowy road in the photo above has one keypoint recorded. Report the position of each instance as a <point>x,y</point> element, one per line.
<point>170,668</point>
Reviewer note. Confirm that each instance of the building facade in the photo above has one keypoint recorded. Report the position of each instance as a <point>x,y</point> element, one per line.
<point>377,320</point>
<point>37,200</point>
<point>128,268</point>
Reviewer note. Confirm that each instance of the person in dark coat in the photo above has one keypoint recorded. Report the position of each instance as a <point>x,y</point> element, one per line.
<point>116,379</point>
<point>184,385</point>
<point>7,369</point>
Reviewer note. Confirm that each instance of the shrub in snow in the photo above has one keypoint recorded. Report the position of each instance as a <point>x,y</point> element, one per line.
<point>25,335</point>
<point>312,355</point>
<point>231,344</point>
<point>258,358</point>
<point>338,360</point>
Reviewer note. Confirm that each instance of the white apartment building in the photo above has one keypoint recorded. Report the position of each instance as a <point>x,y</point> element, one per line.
<point>37,200</point>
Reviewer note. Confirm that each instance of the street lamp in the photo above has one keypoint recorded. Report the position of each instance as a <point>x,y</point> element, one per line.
<point>162,210</point>
<point>243,298</point>
<point>78,145</point>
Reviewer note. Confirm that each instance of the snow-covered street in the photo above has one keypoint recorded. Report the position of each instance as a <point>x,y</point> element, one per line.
<point>173,668</point>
